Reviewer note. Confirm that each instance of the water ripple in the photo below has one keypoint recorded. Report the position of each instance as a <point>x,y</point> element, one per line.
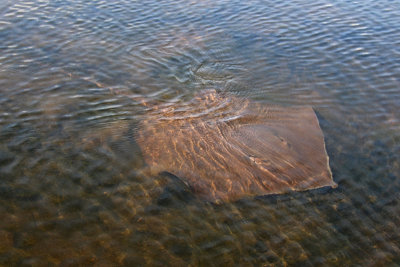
<point>77,78</point>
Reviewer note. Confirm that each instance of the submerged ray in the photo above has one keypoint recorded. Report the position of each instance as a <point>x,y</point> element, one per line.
<point>226,148</point>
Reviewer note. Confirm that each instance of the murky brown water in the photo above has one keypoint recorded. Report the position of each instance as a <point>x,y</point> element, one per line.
<point>73,75</point>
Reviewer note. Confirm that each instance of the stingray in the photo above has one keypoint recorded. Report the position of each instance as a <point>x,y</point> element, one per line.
<point>225,148</point>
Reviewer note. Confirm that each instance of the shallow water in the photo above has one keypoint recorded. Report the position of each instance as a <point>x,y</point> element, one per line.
<point>73,79</point>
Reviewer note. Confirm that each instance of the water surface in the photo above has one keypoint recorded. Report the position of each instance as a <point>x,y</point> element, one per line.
<point>73,78</point>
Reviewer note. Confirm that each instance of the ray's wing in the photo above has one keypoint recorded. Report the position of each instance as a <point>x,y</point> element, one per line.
<point>287,146</point>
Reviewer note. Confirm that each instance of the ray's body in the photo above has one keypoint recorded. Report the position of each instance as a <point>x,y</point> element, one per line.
<point>226,148</point>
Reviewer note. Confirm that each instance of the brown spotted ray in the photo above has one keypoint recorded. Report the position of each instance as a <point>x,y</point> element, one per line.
<point>226,148</point>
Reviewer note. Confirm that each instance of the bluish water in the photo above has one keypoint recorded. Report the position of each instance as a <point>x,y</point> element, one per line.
<point>72,74</point>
